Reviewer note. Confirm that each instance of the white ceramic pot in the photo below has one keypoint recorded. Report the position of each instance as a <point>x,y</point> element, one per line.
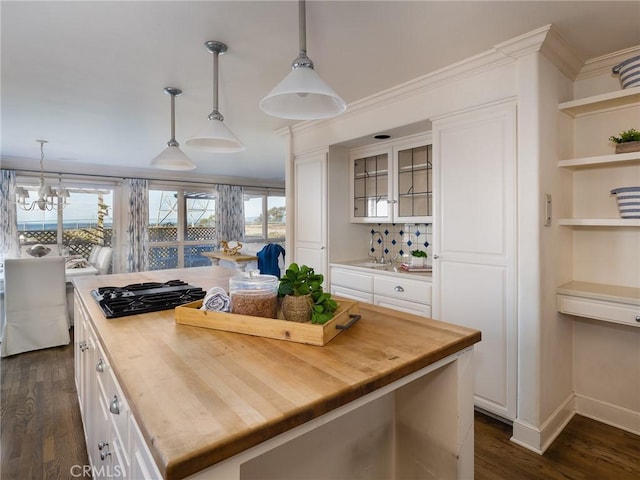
<point>417,261</point>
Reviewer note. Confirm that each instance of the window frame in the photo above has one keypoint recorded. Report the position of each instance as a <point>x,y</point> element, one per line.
<point>181,243</point>
<point>264,193</point>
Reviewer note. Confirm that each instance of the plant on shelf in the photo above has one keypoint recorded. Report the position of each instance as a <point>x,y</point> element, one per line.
<point>303,296</point>
<point>627,141</point>
<point>417,258</point>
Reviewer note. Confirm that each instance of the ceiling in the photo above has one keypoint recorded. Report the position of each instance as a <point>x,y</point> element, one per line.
<point>89,76</point>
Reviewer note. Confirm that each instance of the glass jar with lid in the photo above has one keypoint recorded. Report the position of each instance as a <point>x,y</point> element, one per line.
<point>254,294</point>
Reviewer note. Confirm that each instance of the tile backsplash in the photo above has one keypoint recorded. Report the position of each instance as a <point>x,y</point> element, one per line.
<point>396,239</point>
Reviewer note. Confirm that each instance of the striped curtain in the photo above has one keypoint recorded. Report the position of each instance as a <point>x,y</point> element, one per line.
<point>138,226</point>
<point>8,215</point>
<point>229,213</point>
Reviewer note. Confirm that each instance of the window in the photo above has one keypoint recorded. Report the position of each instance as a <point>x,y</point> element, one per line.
<point>85,221</point>
<point>264,216</point>
<point>181,227</point>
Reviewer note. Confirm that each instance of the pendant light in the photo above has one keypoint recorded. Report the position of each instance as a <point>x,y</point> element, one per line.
<point>302,95</point>
<point>215,136</point>
<point>172,158</point>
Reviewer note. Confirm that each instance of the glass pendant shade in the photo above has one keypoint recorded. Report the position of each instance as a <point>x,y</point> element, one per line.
<point>303,95</point>
<point>172,158</point>
<point>217,138</point>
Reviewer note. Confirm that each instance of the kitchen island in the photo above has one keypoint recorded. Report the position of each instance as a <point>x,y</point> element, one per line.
<point>392,397</point>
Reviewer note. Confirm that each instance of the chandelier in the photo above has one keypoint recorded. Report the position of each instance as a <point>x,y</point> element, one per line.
<point>48,197</point>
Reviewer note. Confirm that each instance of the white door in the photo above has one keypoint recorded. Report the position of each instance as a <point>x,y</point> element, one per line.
<point>310,197</point>
<point>474,247</point>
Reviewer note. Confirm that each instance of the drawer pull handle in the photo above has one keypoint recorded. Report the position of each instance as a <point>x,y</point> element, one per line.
<point>104,455</point>
<point>100,366</point>
<point>102,445</point>
<point>637,318</point>
<point>114,406</point>
<point>398,288</point>
<point>352,319</point>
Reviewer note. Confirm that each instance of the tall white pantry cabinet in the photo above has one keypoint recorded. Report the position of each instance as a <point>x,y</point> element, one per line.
<point>474,245</point>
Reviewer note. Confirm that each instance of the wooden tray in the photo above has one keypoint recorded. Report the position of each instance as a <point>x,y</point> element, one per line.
<point>309,333</point>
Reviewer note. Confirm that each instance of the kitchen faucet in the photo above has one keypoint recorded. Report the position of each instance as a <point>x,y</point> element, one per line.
<point>372,247</point>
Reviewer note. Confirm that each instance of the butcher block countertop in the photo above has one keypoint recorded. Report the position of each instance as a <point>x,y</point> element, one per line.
<point>201,395</point>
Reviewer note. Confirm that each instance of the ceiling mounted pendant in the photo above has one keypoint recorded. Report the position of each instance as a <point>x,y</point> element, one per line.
<point>172,158</point>
<point>215,136</point>
<point>48,198</point>
<point>302,95</point>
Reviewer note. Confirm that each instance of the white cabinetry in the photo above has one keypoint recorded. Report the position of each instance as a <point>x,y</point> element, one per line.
<point>606,250</point>
<point>310,200</point>
<point>115,445</point>
<point>392,182</point>
<point>393,291</point>
<point>474,246</point>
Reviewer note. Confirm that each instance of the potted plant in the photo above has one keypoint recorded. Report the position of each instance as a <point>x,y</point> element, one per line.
<point>417,258</point>
<point>303,298</point>
<point>627,141</point>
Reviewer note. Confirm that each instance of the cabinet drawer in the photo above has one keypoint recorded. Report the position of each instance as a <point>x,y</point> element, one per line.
<point>352,280</point>
<point>600,310</point>
<point>403,289</point>
<point>120,420</point>
<point>110,396</point>
<point>352,294</point>
<point>404,306</point>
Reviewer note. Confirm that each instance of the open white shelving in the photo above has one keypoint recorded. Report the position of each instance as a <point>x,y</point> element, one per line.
<point>606,101</point>
<point>605,302</point>
<point>599,222</point>
<point>611,159</point>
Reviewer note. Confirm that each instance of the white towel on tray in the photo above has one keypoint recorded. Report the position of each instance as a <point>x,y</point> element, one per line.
<point>217,300</point>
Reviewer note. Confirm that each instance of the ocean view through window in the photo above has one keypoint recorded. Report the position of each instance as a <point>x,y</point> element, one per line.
<point>73,230</point>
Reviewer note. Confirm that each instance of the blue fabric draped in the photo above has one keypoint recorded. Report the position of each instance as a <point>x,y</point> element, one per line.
<point>268,259</point>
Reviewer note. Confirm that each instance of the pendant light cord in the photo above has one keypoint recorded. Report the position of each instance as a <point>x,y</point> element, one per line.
<point>302,20</point>
<point>215,114</point>
<point>303,60</point>
<point>172,141</point>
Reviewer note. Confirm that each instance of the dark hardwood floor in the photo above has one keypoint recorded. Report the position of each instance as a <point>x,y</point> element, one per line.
<point>585,450</point>
<point>41,433</point>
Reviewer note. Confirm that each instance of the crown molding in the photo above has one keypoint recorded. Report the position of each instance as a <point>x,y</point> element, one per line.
<point>551,44</point>
<point>468,67</point>
<point>602,65</point>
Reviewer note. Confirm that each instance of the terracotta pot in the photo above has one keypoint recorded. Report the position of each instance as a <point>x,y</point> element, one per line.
<point>297,309</point>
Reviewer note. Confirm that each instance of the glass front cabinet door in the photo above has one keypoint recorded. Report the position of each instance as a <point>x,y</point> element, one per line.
<point>371,186</point>
<point>413,185</point>
<point>392,182</point>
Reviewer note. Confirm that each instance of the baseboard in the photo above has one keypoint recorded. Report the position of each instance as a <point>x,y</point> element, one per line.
<point>607,413</point>
<point>538,439</point>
